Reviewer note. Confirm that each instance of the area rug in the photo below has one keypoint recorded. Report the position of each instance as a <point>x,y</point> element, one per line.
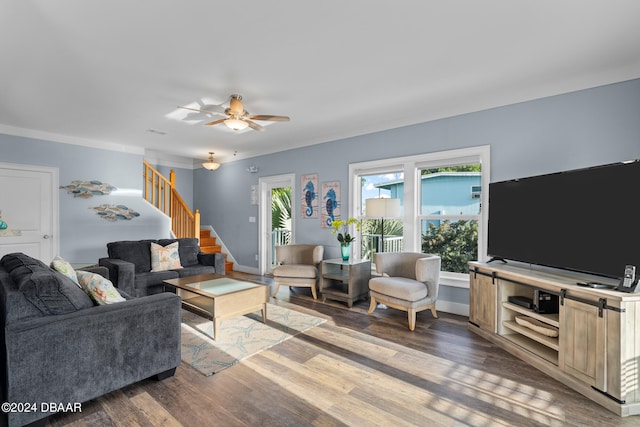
<point>239,337</point>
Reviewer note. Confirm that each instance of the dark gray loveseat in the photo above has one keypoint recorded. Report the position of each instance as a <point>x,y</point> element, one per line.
<point>59,348</point>
<point>129,264</point>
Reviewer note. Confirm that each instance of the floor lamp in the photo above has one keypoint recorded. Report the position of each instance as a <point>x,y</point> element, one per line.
<point>382,208</point>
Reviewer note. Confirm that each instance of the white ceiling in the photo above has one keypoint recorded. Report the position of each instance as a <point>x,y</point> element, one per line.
<point>103,73</point>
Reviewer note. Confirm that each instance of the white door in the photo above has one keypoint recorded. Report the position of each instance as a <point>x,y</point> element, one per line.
<point>267,184</point>
<point>29,207</point>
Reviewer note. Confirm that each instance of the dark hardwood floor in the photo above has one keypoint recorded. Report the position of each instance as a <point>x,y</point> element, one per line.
<point>355,369</point>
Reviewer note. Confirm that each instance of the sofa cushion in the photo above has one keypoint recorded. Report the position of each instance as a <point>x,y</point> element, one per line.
<point>11,261</point>
<point>17,307</point>
<point>50,291</point>
<point>165,257</point>
<point>137,252</point>
<point>144,280</point>
<point>100,290</point>
<point>188,249</point>
<point>194,270</point>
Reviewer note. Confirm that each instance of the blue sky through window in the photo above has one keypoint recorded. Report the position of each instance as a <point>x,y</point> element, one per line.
<point>369,189</point>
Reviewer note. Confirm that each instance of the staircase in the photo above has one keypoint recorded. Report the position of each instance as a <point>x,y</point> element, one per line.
<point>161,193</point>
<point>208,245</point>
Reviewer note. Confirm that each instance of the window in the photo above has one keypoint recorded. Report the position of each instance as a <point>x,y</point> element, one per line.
<point>448,216</point>
<point>380,234</point>
<point>441,196</point>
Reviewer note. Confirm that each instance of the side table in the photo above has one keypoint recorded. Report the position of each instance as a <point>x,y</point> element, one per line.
<point>346,281</point>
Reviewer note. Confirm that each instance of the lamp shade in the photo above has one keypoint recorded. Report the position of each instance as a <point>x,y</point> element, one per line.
<point>383,208</point>
<point>211,164</point>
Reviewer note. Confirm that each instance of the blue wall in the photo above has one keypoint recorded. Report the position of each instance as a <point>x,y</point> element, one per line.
<point>184,182</point>
<point>83,234</point>
<point>580,129</point>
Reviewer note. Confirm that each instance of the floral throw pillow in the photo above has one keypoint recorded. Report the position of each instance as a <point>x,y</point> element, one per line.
<point>165,257</point>
<point>62,266</point>
<point>100,290</point>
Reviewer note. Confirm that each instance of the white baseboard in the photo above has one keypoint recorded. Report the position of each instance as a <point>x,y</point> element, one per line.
<point>245,269</point>
<point>441,305</point>
<point>453,307</point>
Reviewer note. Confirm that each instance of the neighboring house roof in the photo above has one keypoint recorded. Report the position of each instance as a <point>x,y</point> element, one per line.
<point>388,184</point>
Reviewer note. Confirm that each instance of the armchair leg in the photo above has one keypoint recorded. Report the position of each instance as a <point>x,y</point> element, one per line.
<point>275,290</point>
<point>412,319</point>
<point>433,311</point>
<point>313,291</point>
<point>373,304</point>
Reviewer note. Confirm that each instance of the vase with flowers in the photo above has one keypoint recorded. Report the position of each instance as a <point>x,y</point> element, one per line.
<point>341,228</point>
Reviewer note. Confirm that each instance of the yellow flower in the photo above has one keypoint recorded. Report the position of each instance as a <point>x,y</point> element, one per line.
<point>341,228</point>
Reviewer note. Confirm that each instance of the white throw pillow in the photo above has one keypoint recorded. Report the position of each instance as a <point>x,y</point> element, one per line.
<point>165,257</point>
<point>100,290</point>
<point>62,266</point>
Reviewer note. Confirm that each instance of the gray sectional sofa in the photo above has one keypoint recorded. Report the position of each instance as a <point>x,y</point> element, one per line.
<point>129,264</point>
<point>60,348</point>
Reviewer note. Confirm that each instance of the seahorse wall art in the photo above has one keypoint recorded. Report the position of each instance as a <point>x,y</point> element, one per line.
<point>86,189</point>
<point>331,205</point>
<point>309,203</point>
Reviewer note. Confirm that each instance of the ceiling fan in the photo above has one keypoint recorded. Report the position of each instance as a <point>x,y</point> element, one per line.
<point>237,118</point>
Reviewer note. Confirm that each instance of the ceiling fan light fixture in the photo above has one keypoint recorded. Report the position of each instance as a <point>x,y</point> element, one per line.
<point>211,164</point>
<point>236,124</point>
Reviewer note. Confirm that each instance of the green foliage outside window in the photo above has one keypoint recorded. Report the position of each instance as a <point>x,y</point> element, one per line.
<point>456,243</point>
<point>473,167</point>
<point>281,210</point>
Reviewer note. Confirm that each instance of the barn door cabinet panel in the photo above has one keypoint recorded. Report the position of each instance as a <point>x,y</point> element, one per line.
<point>583,344</point>
<point>482,302</point>
<point>591,344</point>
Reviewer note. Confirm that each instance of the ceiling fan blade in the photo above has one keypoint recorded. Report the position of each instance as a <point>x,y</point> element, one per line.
<point>255,126</point>
<point>215,122</point>
<point>202,111</point>
<point>269,118</point>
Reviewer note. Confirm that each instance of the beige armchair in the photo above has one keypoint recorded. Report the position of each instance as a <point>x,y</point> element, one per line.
<point>298,266</point>
<point>409,282</point>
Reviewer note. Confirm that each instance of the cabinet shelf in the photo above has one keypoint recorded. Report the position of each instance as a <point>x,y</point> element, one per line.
<point>551,342</point>
<point>336,288</point>
<point>534,347</point>
<point>549,319</point>
<point>337,276</point>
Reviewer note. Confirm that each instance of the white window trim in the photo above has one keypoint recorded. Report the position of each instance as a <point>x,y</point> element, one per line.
<point>411,166</point>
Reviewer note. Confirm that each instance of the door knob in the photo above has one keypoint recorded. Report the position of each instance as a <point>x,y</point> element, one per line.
<point>46,236</point>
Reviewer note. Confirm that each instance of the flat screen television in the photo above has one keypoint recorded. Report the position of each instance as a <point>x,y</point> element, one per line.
<point>585,220</point>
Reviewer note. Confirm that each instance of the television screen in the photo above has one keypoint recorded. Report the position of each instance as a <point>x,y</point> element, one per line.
<point>585,220</point>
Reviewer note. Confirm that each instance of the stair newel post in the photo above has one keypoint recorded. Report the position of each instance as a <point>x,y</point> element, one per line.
<point>197,224</point>
<point>172,186</point>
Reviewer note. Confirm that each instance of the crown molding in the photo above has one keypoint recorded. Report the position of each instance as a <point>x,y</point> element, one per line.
<point>164,159</point>
<point>66,139</point>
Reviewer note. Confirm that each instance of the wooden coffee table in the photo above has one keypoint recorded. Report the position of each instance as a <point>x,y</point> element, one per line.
<point>219,297</point>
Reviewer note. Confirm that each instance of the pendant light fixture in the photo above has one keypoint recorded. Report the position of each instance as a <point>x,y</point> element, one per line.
<point>211,164</point>
<point>236,124</point>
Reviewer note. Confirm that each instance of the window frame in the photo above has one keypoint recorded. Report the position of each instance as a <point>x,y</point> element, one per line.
<point>411,166</point>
